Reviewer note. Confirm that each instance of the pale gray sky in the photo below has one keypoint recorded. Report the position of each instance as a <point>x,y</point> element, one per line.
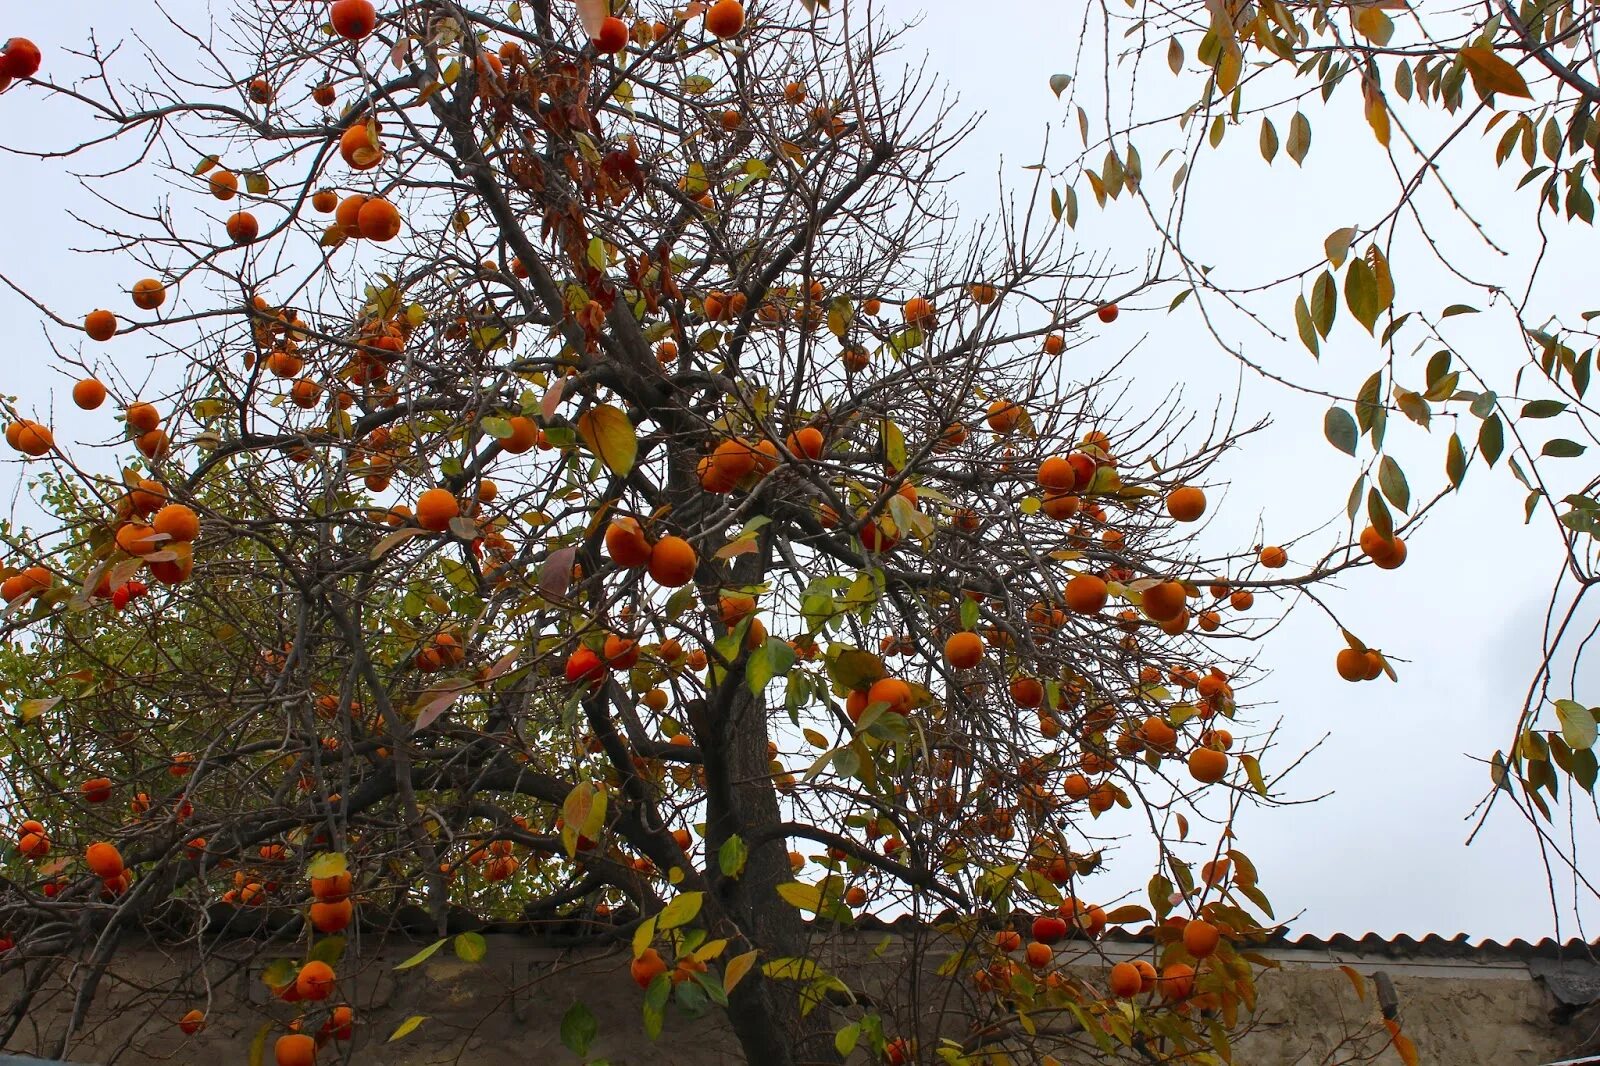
<point>1385,851</point>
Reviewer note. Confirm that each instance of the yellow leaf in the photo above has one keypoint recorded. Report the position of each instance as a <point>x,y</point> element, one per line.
<point>610,436</point>
<point>1377,114</point>
<point>737,967</point>
<point>408,1026</point>
<point>710,950</point>
<point>644,936</point>
<point>328,864</point>
<point>681,911</point>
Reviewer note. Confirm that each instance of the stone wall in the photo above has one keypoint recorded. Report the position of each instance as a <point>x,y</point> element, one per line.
<point>507,1008</point>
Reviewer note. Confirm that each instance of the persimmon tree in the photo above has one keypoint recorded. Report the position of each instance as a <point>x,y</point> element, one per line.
<point>1449,253</point>
<point>589,474</point>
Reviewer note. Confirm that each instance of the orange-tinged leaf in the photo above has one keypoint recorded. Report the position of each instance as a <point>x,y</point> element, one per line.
<point>1357,982</point>
<point>1406,1049</point>
<point>1129,913</point>
<point>736,968</point>
<point>1491,74</point>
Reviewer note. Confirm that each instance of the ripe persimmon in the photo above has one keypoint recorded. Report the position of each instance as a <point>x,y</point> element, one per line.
<point>1207,765</point>
<point>332,888</point>
<point>647,967</point>
<point>31,438</point>
<point>148,294</point>
<point>1004,416</point>
<point>524,435</point>
<point>353,19</point>
<point>725,18</point>
<point>242,227</point>
<point>360,148</point>
<point>1054,344</point>
<point>96,789</point>
<point>100,325</point>
<point>1026,691</point>
<point>1057,474</point>
<point>378,220</point>
<point>1273,557</point>
<point>1200,938</point>
<point>177,522</point>
<point>1107,313</point>
<point>1087,594</point>
<point>224,184</point>
<point>626,543</point>
<point>296,1049</point>
<point>192,1022</point>
<point>104,860</point>
<point>893,692</point>
<point>1351,664</point>
<point>964,650</point>
<point>919,312</point>
<point>88,394</point>
<point>315,980</point>
<point>1125,981</point>
<point>1163,602</point>
<point>19,59</point>
<point>807,443</point>
<point>613,36</point>
<point>672,562</point>
<point>332,917</point>
<point>1186,503</point>
<point>435,508</point>
<point>1176,981</point>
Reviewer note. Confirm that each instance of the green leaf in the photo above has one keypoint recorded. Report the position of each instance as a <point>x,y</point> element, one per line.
<point>1459,309</point>
<point>772,659</point>
<point>1577,724</point>
<point>655,1004</point>
<point>1561,448</point>
<point>1303,324</point>
<point>1393,482</point>
<point>471,947</point>
<point>844,1041</point>
<point>610,436</point>
<point>1361,293</point>
<point>1491,439</point>
<point>330,949</point>
<point>1324,302</point>
<point>1378,515</point>
<point>407,1027</point>
<point>681,911</point>
<point>1269,140</point>
<point>1339,426</point>
<point>421,957</point>
<point>1543,408</point>
<point>1455,461</point>
<point>732,855</point>
<point>578,1029</point>
<point>1299,139</point>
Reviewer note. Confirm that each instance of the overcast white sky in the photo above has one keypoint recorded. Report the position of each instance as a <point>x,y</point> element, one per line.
<point>1385,851</point>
